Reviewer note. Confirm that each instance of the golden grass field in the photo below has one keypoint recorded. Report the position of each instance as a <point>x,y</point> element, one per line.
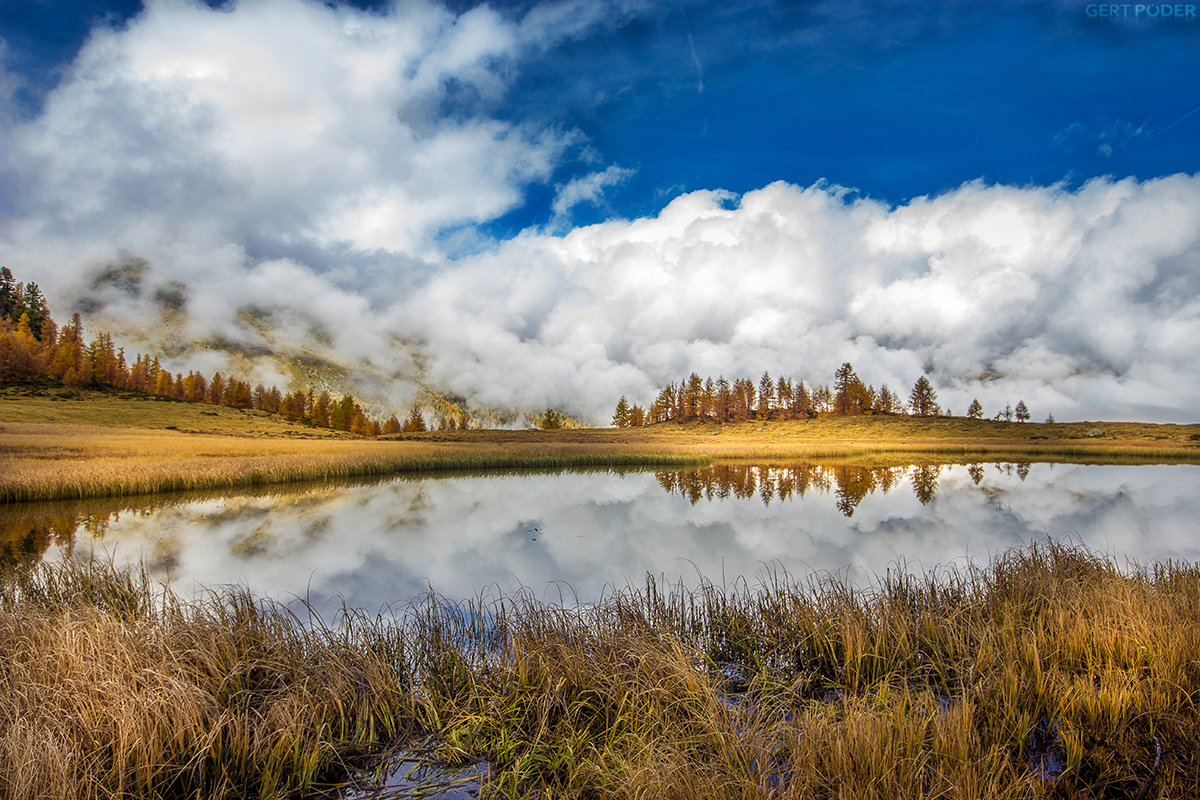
<point>59,444</point>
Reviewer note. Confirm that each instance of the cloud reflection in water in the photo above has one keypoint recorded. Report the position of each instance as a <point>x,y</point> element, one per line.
<point>579,532</point>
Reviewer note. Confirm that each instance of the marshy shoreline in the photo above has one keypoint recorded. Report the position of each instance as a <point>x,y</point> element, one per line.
<point>1050,671</point>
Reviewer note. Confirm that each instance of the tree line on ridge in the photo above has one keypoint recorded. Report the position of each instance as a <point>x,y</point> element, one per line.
<point>34,348</point>
<point>785,399</point>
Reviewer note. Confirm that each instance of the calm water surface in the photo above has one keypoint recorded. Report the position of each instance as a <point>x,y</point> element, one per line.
<point>573,534</point>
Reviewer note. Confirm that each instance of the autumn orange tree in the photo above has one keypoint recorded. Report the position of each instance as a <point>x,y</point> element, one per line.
<point>776,399</point>
<point>33,348</point>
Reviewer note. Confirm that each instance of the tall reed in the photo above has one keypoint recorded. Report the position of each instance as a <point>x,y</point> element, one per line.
<point>111,688</point>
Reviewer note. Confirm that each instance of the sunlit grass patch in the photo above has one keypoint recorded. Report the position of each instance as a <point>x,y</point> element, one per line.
<point>113,688</point>
<point>42,464</point>
<point>1050,672</point>
<point>94,444</point>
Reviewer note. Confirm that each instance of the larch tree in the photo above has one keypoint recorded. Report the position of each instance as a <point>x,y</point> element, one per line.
<point>621,415</point>
<point>745,398</point>
<point>802,401</point>
<point>1022,412</point>
<point>975,410</point>
<point>723,403</point>
<point>416,420</point>
<point>318,412</point>
<point>361,424</point>
<point>637,417</point>
<point>843,381</point>
<point>216,387</point>
<point>693,391</point>
<point>885,404</point>
<point>923,400</point>
<point>783,398</point>
<point>346,410</point>
<point>822,398</point>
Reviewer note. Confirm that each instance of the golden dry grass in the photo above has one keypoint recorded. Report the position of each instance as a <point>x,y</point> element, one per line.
<point>1051,672</point>
<point>110,689</point>
<point>115,444</point>
<point>40,462</point>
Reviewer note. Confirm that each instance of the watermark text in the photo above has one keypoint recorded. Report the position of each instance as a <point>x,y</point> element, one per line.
<point>1180,12</point>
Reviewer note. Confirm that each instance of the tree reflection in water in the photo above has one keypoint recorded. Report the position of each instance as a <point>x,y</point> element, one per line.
<point>25,537</point>
<point>27,531</point>
<point>850,484</point>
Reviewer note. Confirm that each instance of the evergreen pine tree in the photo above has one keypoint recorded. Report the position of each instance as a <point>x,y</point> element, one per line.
<point>34,304</point>
<point>621,415</point>
<point>8,296</point>
<point>923,400</point>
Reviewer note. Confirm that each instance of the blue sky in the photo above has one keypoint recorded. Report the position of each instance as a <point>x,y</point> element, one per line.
<point>949,173</point>
<point>893,99</point>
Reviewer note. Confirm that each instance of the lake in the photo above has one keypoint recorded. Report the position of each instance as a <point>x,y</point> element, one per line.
<point>570,535</point>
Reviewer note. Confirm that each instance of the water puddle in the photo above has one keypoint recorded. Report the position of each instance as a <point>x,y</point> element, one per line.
<point>410,774</point>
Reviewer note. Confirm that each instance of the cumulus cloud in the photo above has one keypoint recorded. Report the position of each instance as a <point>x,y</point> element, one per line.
<point>587,188</point>
<point>1082,303</point>
<point>287,177</point>
<point>293,120</point>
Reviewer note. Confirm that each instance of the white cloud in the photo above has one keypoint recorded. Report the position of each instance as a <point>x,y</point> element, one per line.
<point>587,188</point>
<point>291,120</point>
<point>1059,292</point>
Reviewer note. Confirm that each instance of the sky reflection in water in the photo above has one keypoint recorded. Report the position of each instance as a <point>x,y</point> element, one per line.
<point>583,531</point>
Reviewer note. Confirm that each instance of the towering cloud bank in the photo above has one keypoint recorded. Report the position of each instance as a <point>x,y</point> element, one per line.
<point>1081,303</point>
<point>284,177</point>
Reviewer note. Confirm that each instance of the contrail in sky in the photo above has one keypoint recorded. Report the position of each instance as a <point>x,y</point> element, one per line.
<point>1176,122</point>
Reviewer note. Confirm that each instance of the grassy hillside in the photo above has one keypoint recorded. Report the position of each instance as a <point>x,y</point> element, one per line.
<point>55,405</point>
<point>57,443</point>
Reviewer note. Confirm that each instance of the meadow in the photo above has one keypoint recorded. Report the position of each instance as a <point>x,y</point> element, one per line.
<point>1050,672</point>
<point>68,444</point>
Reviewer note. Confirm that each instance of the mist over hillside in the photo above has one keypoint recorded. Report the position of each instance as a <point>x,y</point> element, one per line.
<point>1082,303</point>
